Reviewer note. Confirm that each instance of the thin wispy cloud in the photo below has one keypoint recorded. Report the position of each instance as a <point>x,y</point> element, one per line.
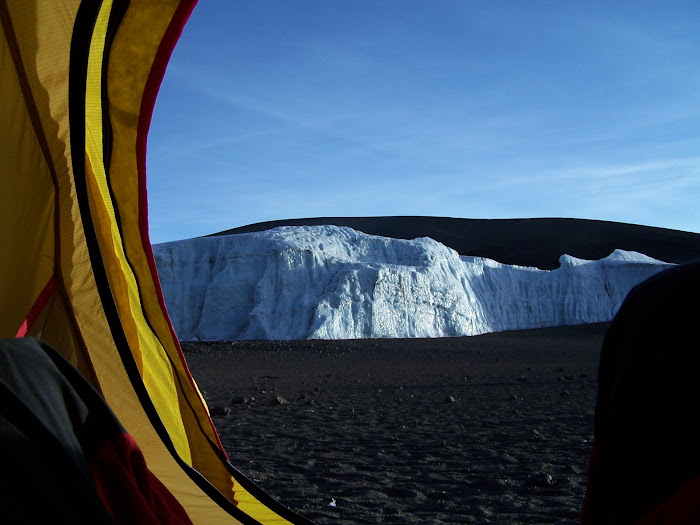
<point>478,109</point>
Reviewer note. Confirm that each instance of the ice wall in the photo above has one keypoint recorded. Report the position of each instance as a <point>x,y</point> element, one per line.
<point>329,282</point>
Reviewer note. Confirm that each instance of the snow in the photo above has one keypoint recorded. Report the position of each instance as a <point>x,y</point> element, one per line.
<point>330,282</point>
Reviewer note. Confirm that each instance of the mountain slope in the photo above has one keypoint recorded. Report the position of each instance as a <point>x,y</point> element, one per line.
<point>524,242</point>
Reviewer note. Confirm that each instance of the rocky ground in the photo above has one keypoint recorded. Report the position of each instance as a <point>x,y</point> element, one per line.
<point>488,429</point>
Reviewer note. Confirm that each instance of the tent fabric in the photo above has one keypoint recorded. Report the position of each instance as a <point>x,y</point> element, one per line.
<point>645,463</point>
<point>78,86</point>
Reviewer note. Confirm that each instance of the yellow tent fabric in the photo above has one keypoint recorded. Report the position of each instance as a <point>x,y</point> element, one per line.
<point>77,88</point>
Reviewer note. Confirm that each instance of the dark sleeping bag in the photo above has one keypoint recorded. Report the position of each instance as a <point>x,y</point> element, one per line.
<point>65,458</point>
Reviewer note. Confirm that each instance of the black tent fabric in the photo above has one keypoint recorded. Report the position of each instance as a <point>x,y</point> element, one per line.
<point>645,463</point>
<point>65,457</point>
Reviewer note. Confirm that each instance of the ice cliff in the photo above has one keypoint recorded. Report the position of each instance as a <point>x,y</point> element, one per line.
<point>328,282</point>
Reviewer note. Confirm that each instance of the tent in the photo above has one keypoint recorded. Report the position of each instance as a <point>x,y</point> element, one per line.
<point>78,86</point>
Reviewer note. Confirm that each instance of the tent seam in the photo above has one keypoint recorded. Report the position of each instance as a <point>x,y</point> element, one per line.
<point>27,94</point>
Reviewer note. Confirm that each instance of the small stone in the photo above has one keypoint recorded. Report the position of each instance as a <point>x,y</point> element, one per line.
<point>565,393</point>
<point>450,399</point>
<point>536,434</point>
<point>279,400</point>
<point>522,379</point>
<point>239,400</point>
<point>541,480</point>
<point>220,411</point>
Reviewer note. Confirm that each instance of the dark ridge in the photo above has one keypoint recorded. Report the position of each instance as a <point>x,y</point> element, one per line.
<point>525,242</point>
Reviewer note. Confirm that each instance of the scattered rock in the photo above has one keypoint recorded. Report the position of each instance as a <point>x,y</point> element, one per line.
<point>279,400</point>
<point>541,480</point>
<point>565,393</point>
<point>239,400</point>
<point>536,434</point>
<point>450,399</point>
<point>220,411</point>
<point>510,459</point>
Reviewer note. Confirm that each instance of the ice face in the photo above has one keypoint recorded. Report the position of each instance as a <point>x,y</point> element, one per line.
<point>330,282</point>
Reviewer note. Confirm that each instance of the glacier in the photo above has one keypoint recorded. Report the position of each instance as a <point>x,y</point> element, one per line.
<point>331,282</point>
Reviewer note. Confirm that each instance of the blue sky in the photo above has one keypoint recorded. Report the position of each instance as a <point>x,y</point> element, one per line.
<point>276,109</point>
